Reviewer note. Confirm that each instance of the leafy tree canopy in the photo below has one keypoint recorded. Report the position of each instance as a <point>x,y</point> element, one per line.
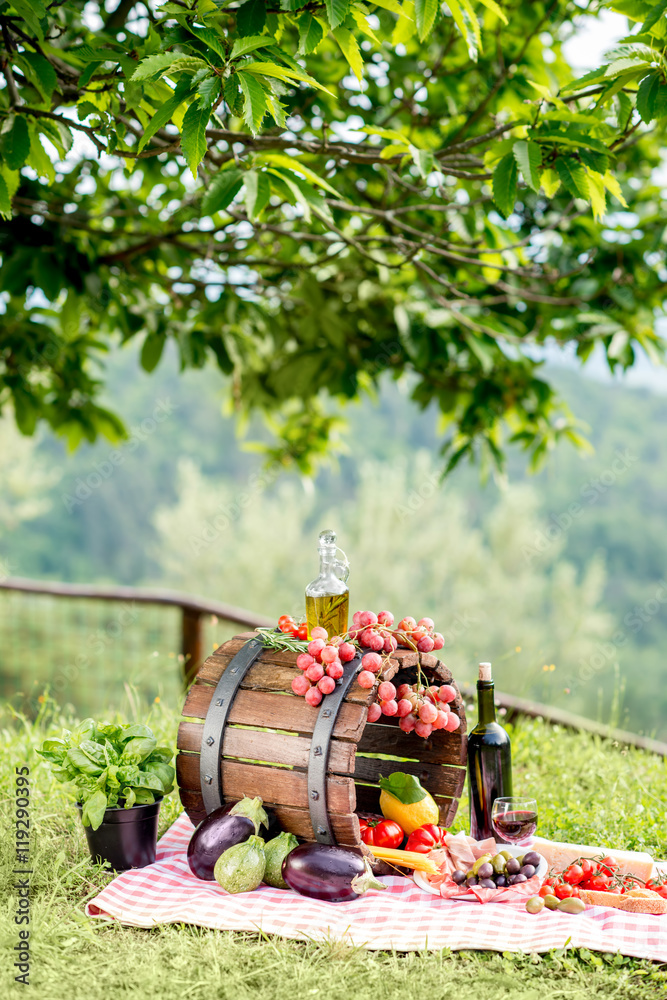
<point>316,193</point>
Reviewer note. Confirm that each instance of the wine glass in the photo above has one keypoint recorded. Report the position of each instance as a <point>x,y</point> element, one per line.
<point>514,819</point>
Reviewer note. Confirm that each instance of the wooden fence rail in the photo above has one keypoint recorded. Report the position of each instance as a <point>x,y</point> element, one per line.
<point>193,609</point>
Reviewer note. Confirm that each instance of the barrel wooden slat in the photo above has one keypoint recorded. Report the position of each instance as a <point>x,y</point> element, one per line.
<point>273,748</point>
<point>276,711</point>
<point>271,757</point>
<point>282,784</point>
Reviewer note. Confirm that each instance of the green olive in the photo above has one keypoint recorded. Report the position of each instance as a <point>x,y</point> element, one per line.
<point>506,855</point>
<point>551,902</point>
<point>470,873</point>
<point>572,904</point>
<point>534,904</point>
<point>481,861</point>
<point>499,864</point>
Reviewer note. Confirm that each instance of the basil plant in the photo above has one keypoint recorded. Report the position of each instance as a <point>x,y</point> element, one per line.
<point>110,765</point>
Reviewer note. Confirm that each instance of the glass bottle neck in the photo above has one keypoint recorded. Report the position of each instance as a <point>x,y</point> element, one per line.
<point>486,707</point>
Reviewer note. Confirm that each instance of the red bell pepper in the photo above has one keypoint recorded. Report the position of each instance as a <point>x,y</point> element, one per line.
<point>381,833</point>
<point>426,838</point>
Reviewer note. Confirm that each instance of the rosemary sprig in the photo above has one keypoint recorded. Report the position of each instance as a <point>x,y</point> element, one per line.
<point>272,639</point>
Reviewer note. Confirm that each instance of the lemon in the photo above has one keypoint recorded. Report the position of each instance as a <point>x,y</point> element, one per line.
<point>412,815</point>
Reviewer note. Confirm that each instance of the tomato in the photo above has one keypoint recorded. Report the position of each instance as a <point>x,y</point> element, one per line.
<point>608,866</point>
<point>587,868</point>
<point>563,891</point>
<point>597,883</point>
<point>302,631</point>
<point>546,890</point>
<point>574,874</point>
<point>283,619</point>
<point>381,833</point>
<point>659,887</point>
<point>426,838</point>
<point>551,881</point>
<point>288,625</point>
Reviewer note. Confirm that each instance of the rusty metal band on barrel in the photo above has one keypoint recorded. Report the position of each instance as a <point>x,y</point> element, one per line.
<point>216,720</point>
<point>319,754</point>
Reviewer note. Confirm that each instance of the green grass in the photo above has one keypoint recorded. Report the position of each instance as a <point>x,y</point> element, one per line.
<point>588,790</point>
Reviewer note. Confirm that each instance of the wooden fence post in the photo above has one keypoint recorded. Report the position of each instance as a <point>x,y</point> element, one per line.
<point>192,643</point>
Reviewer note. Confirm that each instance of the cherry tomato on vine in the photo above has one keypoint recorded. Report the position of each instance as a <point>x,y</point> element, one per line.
<point>608,866</point>
<point>574,874</point>
<point>287,625</point>
<point>563,890</point>
<point>302,631</point>
<point>597,883</point>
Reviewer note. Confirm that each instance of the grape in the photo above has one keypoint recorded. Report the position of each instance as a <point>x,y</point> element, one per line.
<point>418,633</point>
<point>374,712</point>
<point>329,654</point>
<point>423,729</point>
<point>386,691</point>
<point>441,720</point>
<point>389,707</point>
<point>313,696</point>
<point>347,651</point>
<point>304,660</point>
<point>326,685</point>
<point>316,646</point>
<point>428,713</point>
<point>337,641</point>
<point>446,693</point>
<point>407,624</point>
<point>386,618</point>
<point>356,616</point>
<point>366,679</point>
<point>426,623</point>
<point>371,661</point>
<point>368,618</point>
<point>438,640</point>
<point>300,685</point>
<point>335,669</point>
<point>407,724</point>
<point>390,644</point>
<point>372,640</point>
<point>425,644</point>
<point>404,708</point>
<point>403,691</point>
<point>314,672</point>
<point>453,722</point>
<point>319,633</point>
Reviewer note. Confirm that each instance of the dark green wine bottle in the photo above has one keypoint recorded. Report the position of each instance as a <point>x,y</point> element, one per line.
<point>489,759</point>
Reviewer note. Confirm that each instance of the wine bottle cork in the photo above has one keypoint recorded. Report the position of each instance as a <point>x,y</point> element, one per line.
<point>485,672</point>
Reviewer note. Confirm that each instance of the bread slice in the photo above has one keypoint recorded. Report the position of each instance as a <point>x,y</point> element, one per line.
<point>635,901</point>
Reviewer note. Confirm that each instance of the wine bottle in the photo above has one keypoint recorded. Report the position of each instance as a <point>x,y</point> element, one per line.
<point>489,759</point>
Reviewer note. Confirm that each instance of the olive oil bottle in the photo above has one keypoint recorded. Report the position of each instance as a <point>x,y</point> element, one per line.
<point>328,597</point>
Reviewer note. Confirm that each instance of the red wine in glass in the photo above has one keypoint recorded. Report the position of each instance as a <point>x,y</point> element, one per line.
<point>514,820</point>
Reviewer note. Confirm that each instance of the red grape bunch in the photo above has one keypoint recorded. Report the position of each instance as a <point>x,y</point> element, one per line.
<point>376,632</point>
<point>322,665</point>
<point>423,709</point>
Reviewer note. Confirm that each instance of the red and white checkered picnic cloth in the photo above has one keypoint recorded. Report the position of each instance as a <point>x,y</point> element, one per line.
<point>403,917</point>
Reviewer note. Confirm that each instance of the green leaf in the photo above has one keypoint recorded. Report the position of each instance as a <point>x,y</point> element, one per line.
<point>251,18</point>
<point>152,349</point>
<point>646,96</point>
<point>350,49</point>
<point>94,808</point>
<point>209,91</point>
<point>254,107</point>
<point>152,67</point>
<point>242,46</point>
<point>337,11</point>
<point>223,188</point>
<point>16,144</point>
<point>573,177</point>
<point>467,25</point>
<point>33,13</point>
<point>492,5</point>
<point>41,73</point>
<point>425,12</point>
<point>294,163</point>
<point>404,787</point>
<point>5,201</point>
<point>164,114</point>
<point>283,73</point>
<point>257,192</point>
<point>311,34</point>
<point>423,159</point>
<point>233,96</point>
<point>596,161</point>
<point>593,76</point>
<point>505,184</point>
<point>528,156</point>
<point>654,15</point>
<point>193,135</point>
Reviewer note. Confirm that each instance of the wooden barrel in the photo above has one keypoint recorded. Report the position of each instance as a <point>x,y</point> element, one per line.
<point>266,743</point>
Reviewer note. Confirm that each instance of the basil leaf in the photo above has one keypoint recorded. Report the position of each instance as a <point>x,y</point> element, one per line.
<point>94,808</point>
<point>138,749</point>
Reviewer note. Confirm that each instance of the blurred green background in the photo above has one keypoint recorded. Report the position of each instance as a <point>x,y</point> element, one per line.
<point>559,579</point>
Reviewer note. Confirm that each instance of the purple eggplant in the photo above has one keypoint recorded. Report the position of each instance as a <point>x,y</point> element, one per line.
<point>230,824</point>
<point>322,871</point>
